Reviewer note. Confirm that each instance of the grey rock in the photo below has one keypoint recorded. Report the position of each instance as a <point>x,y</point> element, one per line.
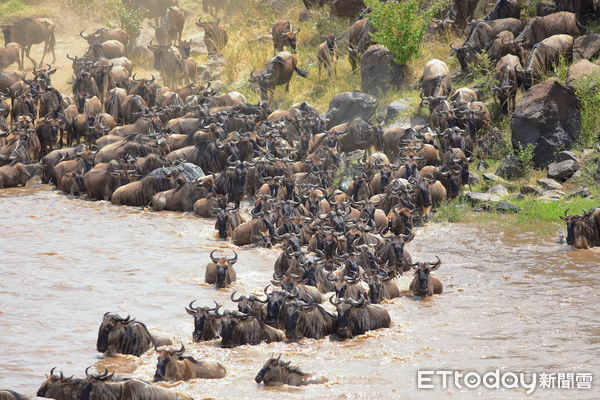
<point>581,192</point>
<point>553,195</point>
<point>474,178</point>
<point>530,190</point>
<point>499,189</point>
<point>549,184</point>
<point>566,155</point>
<point>394,108</point>
<point>505,208</point>
<point>344,107</point>
<point>488,176</point>
<point>378,72</point>
<point>587,46</point>
<point>476,197</point>
<point>510,168</point>
<point>492,144</point>
<point>580,73</point>
<point>548,118</point>
<point>561,171</point>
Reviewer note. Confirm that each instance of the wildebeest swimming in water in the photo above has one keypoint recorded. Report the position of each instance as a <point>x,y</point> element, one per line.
<point>172,365</point>
<point>125,336</point>
<point>276,372</point>
<point>583,230</point>
<point>103,387</point>
<point>220,271</point>
<point>423,284</point>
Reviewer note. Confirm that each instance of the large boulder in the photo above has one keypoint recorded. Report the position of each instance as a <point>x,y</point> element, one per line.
<point>561,171</point>
<point>587,46</point>
<point>346,8</point>
<point>582,70</point>
<point>344,107</point>
<point>548,118</point>
<point>510,168</point>
<point>378,71</point>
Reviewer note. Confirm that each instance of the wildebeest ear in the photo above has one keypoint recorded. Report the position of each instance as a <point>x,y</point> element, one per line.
<point>52,71</point>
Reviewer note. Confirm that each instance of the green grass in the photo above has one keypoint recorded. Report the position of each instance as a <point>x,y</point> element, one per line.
<point>452,211</point>
<point>13,7</point>
<point>535,211</point>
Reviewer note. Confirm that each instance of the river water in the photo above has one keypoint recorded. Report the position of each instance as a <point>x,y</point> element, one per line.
<point>512,300</point>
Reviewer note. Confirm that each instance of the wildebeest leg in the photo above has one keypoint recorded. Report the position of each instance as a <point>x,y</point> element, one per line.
<point>287,87</point>
<point>61,136</point>
<point>44,52</point>
<point>320,70</point>
<point>27,50</point>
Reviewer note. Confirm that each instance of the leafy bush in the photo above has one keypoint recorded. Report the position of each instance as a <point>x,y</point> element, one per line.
<point>525,156</point>
<point>130,19</point>
<point>400,26</point>
<point>588,91</point>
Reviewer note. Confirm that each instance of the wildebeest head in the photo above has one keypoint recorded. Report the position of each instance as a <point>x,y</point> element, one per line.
<point>166,357</point>
<point>465,55</point>
<point>201,316</point>
<point>344,307</point>
<point>264,79</point>
<point>292,313</point>
<point>248,304</point>
<point>221,224</point>
<point>59,386</point>
<point>583,230</point>
<point>110,322</point>
<point>272,370</point>
<point>290,38</point>
<point>375,281</point>
<point>229,321</point>
<point>275,301</point>
<point>422,271</point>
<point>223,265</point>
<point>185,48</point>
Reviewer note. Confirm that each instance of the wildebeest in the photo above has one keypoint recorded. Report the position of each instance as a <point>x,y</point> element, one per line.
<point>436,83</point>
<point>544,56</point>
<point>423,284</point>
<point>276,372</point>
<point>327,55</point>
<point>583,230</point>
<point>13,174</point>
<point>10,55</point>
<point>277,72</point>
<point>346,8</point>
<point>227,221</point>
<point>109,49</point>
<point>124,336</point>
<point>307,319</point>
<point>238,329</point>
<point>10,395</point>
<point>359,40</point>
<point>481,36</point>
<point>29,31</point>
<point>212,7</point>
<point>170,27</point>
<point>173,366</point>
<point>504,9</point>
<point>381,285</point>
<point>103,387</point>
<point>504,44</point>
<point>283,35</point>
<point>169,62</point>
<point>358,317</point>
<point>215,36</point>
<point>540,28</point>
<point>103,34</point>
<point>206,322</point>
<point>220,271</point>
<point>507,82</point>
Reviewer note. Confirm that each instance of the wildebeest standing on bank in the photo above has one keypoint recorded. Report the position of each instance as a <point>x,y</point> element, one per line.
<point>173,366</point>
<point>544,56</point>
<point>327,55</point>
<point>220,271</point>
<point>215,36</point>
<point>359,40</point>
<point>276,372</point>
<point>124,336</point>
<point>423,284</point>
<point>583,230</point>
<point>277,72</point>
<point>284,35</point>
<point>29,31</point>
<point>540,28</point>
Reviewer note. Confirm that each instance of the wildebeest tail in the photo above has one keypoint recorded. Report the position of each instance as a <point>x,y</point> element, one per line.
<point>301,72</point>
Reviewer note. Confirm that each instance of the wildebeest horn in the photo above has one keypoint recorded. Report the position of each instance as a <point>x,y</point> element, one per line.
<point>358,303</point>
<point>215,260</point>
<point>334,302</point>
<point>181,350</point>
<point>233,297</point>
<point>233,259</point>
<point>438,262</point>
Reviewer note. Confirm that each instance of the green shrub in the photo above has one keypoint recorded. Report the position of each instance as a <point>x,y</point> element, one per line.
<point>12,7</point>
<point>525,156</point>
<point>588,91</point>
<point>400,26</point>
<point>130,19</point>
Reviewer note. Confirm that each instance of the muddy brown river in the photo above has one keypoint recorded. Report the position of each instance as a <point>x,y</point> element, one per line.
<point>512,300</point>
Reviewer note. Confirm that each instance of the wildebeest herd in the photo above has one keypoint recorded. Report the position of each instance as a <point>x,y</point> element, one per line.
<point>183,147</point>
